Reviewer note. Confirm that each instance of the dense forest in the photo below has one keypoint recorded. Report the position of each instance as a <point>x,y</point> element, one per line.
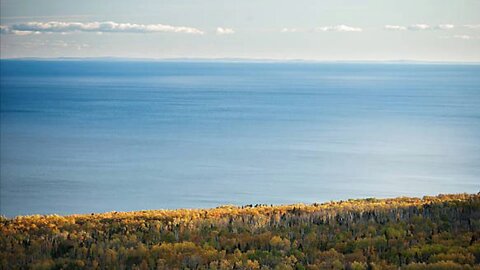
<point>441,232</point>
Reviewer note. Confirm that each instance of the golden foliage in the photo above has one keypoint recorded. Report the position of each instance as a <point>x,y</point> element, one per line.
<point>435,232</point>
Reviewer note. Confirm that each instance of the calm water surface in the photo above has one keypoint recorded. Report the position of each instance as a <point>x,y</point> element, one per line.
<point>92,136</point>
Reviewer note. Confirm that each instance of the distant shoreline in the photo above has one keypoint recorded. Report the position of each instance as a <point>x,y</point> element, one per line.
<point>371,202</point>
<point>240,60</point>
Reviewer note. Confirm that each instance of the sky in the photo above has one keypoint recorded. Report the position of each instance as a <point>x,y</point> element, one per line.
<point>344,30</point>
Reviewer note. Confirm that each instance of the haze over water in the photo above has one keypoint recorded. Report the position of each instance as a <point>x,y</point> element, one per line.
<point>95,136</point>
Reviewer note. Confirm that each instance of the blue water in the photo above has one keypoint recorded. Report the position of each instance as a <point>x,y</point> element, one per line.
<point>93,136</point>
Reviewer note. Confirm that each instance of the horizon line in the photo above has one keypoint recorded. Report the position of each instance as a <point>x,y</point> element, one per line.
<point>237,59</point>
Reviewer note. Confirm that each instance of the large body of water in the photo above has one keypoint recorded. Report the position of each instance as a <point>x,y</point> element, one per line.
<point>93,136</point>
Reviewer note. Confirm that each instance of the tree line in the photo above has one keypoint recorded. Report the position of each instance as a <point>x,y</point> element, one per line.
<point>440,232</point>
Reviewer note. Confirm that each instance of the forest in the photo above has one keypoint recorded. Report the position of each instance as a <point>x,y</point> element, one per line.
<point>433,232</point>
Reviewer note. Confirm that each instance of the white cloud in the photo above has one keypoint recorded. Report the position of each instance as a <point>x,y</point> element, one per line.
<point>472,26</point>
<point>334,28</point>
<point>419,26</point>
<point>103,27</point>
<point>4,29</point>
<point>224,31</point>
<point>289,30</point>
<point>445,26</point>
<point>24,33</point>
<point>338,28</point>
<point>395,27</point>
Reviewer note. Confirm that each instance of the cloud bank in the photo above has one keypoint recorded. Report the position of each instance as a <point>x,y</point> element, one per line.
<point>445,26</point>
<point>395,27</point>
<point>418,27</point>
<point>99,27</point>
<point>224,31</point>
<point>334,28</point>
<point>4,29</point>
<point>290,30</point>
<point>338,28</point>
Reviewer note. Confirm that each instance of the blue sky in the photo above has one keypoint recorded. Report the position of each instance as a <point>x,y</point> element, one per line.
<point>431,30</point>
